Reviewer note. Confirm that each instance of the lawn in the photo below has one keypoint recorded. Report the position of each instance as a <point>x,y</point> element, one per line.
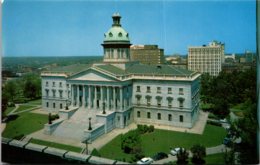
<point>35,102</point>
<point>24,107</point>
<point>56,145</point>
<point>25,124</point>
<point>162,140</point>
<point>8,110</point>
<point>215,159</point>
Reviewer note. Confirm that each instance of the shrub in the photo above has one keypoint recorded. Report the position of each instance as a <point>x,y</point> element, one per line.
<point>151,128</point>
<point>198,153</point>
<point>129,141</point>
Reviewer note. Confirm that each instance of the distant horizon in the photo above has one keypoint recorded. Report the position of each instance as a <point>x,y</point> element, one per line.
<point>63,28</point>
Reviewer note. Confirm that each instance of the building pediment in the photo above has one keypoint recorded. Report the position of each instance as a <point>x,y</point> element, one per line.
<point>92,75</point>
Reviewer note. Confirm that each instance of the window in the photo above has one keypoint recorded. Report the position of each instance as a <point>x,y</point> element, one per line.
<point>159,116</point>
<point>61,93</point>
<point>181,91</point>
<point>120,34</point>
<point>53,105</point>
<point>60,84</point>
<point>148,89</point>
<point>47,92</point>
<point>54,93</point>
<point>169,103</point>
<point>148,115</point>
<point>138,89</point>
<point>47,83</point>
<point>138,114</point>
<point>169,90</point>
<point>53,84</point>
<point>170,117</point>
<point>47,104</point>
<point>129,116</point>
<point>138,100</point>
<point>158,89</point>
<point>159,102</point>
<point>181,118</point>
<point>148,101</point>
<point>60,106</point>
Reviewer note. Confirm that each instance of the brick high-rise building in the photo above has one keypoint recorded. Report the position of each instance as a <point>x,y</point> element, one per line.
<point>147,54</point>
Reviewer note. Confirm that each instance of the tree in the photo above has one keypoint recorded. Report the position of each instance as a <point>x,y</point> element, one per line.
<point>182,156</point>
<point>247,128</point>
<point>32,86</point>
<point>130,141</point>
<point>198,153</point>
<point>4,103</point>
<point>10,90</point>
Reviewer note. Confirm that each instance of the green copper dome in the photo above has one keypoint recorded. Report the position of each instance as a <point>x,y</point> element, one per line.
<point>116,33</point>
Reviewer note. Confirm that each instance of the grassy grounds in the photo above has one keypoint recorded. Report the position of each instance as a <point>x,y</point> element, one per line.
<point>215,159</point>
<point>8,110</point>
<point>56,145</point>
<point>25,123</point>
<point>35,102</point>
<point>162,140</point>
<point>24,107</point>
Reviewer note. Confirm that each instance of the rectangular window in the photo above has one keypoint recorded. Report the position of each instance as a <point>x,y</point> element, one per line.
<point>60,106</point>
<point>47,104</point>
<point>53,105</point>
<point>148,115</point>
<point>158,89</point>
<point>60,84</point>
<point>138,114</point>
<point>47,83</point>
<point>54,93</point>
<point>53,84</point>
<point>159,116</point>
<point>170,117</point>
<point>181,91</point>
<point>181,118</point>
<point>148,89</point>
<point>138,89</point>
<point>169,90</point>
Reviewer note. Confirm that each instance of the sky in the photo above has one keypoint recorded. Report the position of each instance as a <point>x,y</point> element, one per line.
<point>76,28</point>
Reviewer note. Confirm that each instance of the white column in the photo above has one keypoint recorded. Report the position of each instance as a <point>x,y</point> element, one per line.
<point>83,96</point>
<point>107,102</point>
<point>121,98</point>
<point>114,97</point>
<point>101,99</point>
<point>78,95</point>
<point>89,97</point>
<point>72,95</point>
<point>95,97</point>
<point>125,96</point>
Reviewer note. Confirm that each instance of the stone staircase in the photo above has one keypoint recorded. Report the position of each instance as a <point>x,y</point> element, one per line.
<point>74,127</point>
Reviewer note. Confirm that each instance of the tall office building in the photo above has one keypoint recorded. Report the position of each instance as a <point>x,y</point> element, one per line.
<point>147,54</point>
<point>207,58</point>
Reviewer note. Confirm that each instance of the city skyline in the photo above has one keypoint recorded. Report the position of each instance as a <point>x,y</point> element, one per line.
<point>63,28</point>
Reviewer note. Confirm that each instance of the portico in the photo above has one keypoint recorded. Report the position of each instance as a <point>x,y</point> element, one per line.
<point>99,97</point>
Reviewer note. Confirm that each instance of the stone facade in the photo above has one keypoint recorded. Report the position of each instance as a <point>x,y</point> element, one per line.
<point>114,93</point>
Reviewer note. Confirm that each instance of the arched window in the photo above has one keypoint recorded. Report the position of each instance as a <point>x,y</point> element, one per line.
<point>119,34</point>
<point>110,34</point>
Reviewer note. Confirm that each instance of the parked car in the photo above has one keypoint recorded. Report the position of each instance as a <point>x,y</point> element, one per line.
<point>227,141</point>
<point>160,155</point>
<point>174,151</point>
<point>146,160</point>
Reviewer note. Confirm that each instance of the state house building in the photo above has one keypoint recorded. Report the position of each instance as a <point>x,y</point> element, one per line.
<point>118,92</point>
